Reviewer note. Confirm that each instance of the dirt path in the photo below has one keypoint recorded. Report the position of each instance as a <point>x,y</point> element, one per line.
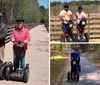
<point>90,74</point>
<point>37,56</point>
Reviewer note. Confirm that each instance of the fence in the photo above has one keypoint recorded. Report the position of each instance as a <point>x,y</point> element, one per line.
<point>92,27</point>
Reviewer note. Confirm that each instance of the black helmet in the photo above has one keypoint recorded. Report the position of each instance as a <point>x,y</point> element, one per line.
<point>80,7</point>
<point>19,20</point>
<point>66,5</point>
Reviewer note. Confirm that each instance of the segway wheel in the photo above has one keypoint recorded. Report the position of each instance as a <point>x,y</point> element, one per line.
<point>26,75</point>
<point>77,76</point>
<point>86,36</point>
<point>2,71</point>
<point>8,71</point>
<point>68,76</point>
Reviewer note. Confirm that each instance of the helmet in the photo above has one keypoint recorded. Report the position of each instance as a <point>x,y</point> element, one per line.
<point>80,7</point>
<point>66,6</point>
<point>19,20</point>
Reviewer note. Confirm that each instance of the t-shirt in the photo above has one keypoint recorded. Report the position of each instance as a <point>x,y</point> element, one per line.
<point>80,15</point>
<point>75,55</point>
<point>66,15</point>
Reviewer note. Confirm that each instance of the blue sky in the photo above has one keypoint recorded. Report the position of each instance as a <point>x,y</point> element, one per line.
<point>44,3</point>
<point>64,0</point>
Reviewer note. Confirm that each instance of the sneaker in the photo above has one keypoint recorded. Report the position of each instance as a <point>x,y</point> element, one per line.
<point>78,37</point>
<point>83,37</point>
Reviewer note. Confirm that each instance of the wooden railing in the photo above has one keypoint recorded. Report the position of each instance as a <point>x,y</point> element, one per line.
<point>92,27</point>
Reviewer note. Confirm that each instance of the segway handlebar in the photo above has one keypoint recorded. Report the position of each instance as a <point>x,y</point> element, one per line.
<point>19,41</point>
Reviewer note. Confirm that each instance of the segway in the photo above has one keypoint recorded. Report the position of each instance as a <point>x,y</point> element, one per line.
<point>71,37</point>
<point>17,75</point>
<point>74,73</point>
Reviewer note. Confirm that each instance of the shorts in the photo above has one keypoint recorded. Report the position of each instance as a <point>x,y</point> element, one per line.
<point>78,26</point>
<point>64,28</point>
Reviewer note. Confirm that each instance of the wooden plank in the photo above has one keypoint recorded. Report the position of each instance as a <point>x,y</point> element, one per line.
<point>95,36</point>
<point>94,21</point>
<point>94,26</point>
<point>94,40</point>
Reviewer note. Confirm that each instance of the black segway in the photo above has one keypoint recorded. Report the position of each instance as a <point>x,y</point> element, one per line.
<point>74,73</point>
<point>18,74</point>
<point>71,37</point>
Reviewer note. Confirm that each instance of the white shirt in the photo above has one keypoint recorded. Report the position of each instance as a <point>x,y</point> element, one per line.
<point>79,16</point>
<point>66,15</point>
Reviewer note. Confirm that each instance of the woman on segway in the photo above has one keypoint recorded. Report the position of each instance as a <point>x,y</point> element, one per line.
<point>20,33</point>
<point>80,15</point>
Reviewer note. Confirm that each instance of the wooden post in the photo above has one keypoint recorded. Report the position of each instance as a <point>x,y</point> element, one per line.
<point>89,24</point>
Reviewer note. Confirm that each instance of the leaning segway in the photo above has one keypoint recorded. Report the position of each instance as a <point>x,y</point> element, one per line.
<point>18,74</point>
<point>71,36</point>
<point>73,75</point>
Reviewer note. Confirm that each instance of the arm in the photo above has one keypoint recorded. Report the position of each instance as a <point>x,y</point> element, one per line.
<point>27,37</point>
<point>12,38</point>
<point>70,14</point>
<point>76,15</point>
<point>61,16</point>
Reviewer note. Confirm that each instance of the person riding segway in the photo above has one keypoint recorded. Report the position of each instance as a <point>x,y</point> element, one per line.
<point>81,23</point>
<point>75,66</point>
<point>20,38</point>
<point>66,18</point>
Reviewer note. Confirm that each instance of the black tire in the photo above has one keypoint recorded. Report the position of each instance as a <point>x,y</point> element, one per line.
<point>77,74</point>
<point>87,37</point>
<point>26,75</point>
<point>8,71</point>
<point>2,72</point>
<point>74,37</point>
<point>68,76</point>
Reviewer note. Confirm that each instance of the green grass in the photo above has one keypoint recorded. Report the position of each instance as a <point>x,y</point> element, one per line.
<point>58,64</point>
<point>94,57</point>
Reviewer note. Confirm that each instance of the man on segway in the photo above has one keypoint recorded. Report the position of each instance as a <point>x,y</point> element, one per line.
<point>20,33</point>
<point>66,17</point>
<point>81,22</point>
